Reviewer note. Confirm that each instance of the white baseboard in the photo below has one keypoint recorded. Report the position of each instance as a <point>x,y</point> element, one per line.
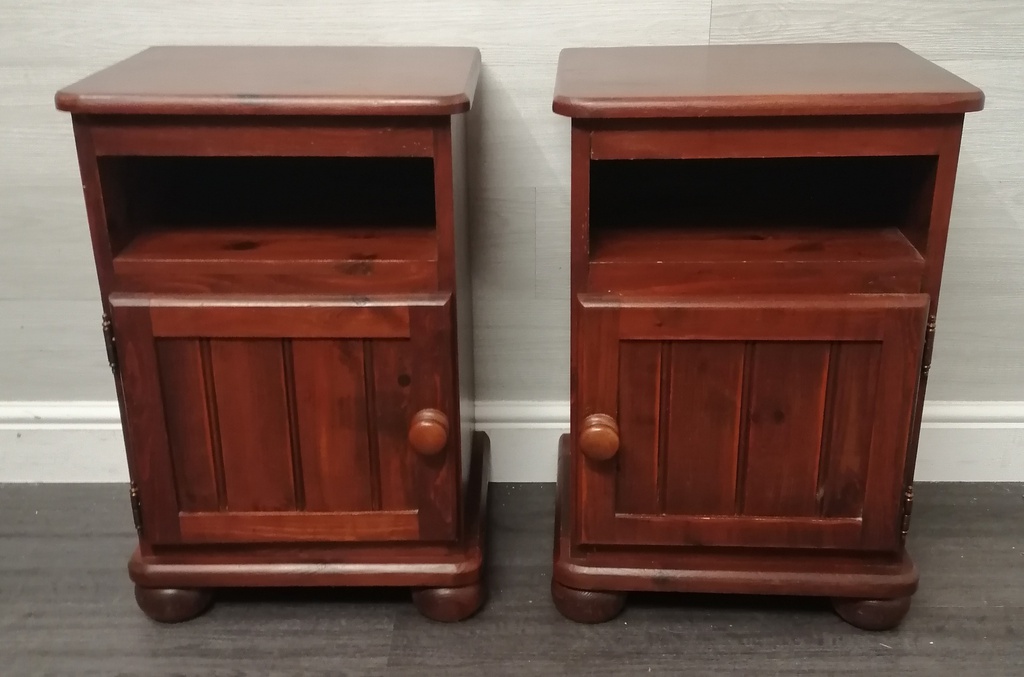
<point>80,441</point>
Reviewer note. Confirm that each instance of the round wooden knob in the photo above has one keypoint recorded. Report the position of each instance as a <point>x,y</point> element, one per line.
<point>428,432</point>
<point>599,437</point>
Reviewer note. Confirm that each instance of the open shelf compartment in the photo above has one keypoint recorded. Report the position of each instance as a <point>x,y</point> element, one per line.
<point>858,221</point>
<point>189,222</point>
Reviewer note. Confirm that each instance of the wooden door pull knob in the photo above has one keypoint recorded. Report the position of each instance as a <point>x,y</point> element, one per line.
<point>428,432</point>
<point>599,437</point>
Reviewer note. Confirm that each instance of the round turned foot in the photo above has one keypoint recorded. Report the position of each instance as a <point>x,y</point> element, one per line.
<point>448,605</point>
<point>872,614</point>
<point>172,605</point>
<point>587,606</point>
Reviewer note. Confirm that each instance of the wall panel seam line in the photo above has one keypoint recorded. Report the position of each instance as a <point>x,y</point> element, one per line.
<point>711,18</point>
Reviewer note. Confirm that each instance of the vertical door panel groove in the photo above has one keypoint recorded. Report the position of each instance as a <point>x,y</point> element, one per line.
<point>825,451</point>
<point>293,424</point>
<point>824,420</point>
<point>744,425</point>
<point>664,403</point>
<point>210,398</point>
<point>372,446</point>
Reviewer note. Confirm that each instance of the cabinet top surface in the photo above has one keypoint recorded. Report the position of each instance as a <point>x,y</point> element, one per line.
<point>756,80</point>
<point>281,81</point>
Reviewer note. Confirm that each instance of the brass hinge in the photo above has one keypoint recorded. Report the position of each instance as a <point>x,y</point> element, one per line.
<point>108,338</point>
<point>908,507</point>
<point>929,345</point>
<point>136,508</point>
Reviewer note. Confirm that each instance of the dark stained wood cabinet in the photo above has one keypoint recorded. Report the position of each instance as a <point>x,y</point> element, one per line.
<point>280,238</point>
<point>757,243</point>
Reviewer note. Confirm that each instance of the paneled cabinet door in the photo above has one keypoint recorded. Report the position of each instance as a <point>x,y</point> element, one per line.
<point>289,419</point>
<point>762,421</point>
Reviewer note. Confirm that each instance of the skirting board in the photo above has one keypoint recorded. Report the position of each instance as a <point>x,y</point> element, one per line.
<point>81,441</point>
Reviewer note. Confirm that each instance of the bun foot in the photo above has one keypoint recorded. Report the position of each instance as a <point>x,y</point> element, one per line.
<point>448,605</point>
<point>172,605</point>
<point>872,614</point>
<point>587,606</point>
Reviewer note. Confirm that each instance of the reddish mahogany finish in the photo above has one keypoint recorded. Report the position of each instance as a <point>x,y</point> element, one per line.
<point>327,81</point>
<point>754,80</point>
<point>599,437</point>
<point>428,433</point>
<point>280,239</point>
<point>587,606</point>
<point>757,243</point>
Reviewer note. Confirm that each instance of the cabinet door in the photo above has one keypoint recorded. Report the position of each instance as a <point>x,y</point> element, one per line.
<point>758,422</point>
<point>277,420</point>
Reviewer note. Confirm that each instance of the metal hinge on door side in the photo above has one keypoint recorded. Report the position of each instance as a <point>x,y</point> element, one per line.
<point>108,338</point>
<point>136,508</point>
<point>908,507</point>
<point>929,344</point>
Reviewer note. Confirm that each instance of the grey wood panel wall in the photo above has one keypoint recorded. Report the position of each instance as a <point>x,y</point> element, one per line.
<point>49,314</point>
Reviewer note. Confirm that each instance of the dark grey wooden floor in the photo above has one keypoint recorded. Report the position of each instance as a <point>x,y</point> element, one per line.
<point>66,607</point>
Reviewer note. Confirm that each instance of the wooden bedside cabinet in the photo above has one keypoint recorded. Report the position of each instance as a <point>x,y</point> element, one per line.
<point>757,243</point>
<point>280,238</point>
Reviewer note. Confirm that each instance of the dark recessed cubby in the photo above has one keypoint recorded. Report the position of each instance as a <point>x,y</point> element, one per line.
<point>749,217</point>
<point>356,218</point>
<point>815,192</point>
<point>210,192</point>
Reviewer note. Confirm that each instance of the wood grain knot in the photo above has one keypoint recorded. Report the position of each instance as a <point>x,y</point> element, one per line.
<point>242,245</point>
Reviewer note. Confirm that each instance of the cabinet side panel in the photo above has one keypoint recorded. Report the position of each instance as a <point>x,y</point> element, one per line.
<point>636,489</point>
<point>186,409</point>
<point>94,186</point>
<point>255,437</point>
<point>392,410</point>
<point>938,228</point>
<point>330,404</point>
<point>453,274</point>
<point>705,386</point>
<point>851,413</point>
<point>463,300</point>
<point>787,399</point>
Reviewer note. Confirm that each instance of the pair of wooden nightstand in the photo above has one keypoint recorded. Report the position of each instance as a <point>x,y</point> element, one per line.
<point>280,236</point>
